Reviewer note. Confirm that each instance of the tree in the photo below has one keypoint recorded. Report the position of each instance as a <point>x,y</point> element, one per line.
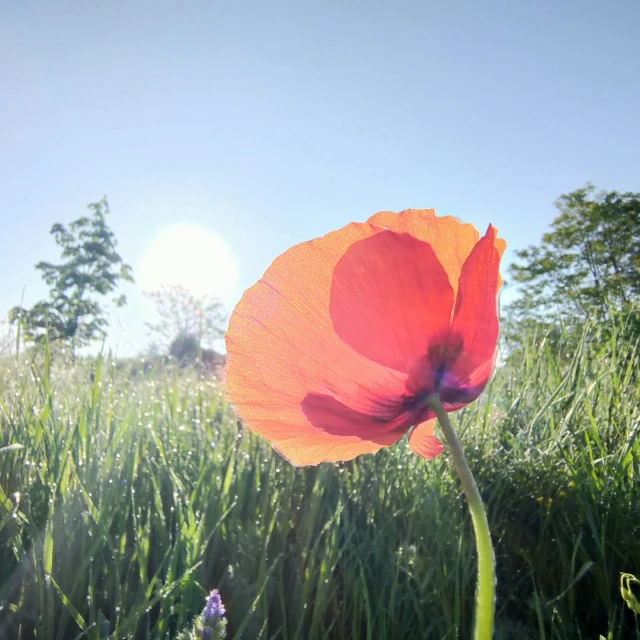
<point>90,269</point>
<point>187,323</point>
<point>588,265</point>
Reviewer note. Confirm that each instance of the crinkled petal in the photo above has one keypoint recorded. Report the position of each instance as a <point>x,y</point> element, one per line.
<point>351,429</point>
<point>474,329</point>
<point>281,346</point>
<point>423,442</point>
<point>391,299</point>
<point>335,417</point>
<point>451,239</point>
<point>317,447</point>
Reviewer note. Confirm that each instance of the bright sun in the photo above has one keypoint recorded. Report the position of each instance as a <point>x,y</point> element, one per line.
<point>193,257</point>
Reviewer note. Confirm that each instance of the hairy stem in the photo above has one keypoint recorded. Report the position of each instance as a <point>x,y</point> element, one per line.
<point>486,588</point>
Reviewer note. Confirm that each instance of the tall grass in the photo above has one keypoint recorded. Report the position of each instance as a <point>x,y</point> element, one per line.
<point>125,497</point>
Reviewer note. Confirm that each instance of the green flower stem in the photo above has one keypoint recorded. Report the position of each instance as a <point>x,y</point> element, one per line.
<point>486,589</point>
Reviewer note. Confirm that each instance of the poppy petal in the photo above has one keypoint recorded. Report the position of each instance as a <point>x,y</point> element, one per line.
<point>315,448</point>
<point>390,299</point>
<point>333,416</point>
<point>474,329</point>
<point>281,346</point>
<point>423,442</point>
<point>451,239</point>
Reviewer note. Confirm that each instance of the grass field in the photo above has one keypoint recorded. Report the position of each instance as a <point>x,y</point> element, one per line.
<point>125,495</point>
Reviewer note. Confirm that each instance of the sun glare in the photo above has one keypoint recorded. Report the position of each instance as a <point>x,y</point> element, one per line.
<point>193,257</point>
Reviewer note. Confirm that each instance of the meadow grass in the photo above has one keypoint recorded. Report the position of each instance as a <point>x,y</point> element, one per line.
<point>126,495</point>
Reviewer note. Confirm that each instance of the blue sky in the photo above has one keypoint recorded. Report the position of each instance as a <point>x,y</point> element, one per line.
<point>272,122</point>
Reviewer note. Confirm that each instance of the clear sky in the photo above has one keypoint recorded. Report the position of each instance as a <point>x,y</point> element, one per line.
<point>274,121</point>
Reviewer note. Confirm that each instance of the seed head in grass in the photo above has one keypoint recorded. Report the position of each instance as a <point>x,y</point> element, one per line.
<point>340,347</point>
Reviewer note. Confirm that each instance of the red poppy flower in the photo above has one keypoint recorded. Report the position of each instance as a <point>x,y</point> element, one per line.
<point>335,351</point>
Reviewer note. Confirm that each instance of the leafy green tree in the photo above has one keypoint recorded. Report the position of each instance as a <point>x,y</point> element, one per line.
<point>588,265</point>
<point>187,323</point>
<point>90,269</point>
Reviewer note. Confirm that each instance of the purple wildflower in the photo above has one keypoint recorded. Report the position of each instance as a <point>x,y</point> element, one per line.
<point>214,608</point>
<point>206,633</point>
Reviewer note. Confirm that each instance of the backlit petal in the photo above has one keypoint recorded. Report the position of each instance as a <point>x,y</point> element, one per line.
<point>474,329</point>
<point>317,447</point>
<point>423,442</point>
<point>391,299</point>
<point>333,416</point>
<point>451,239</point>
<point>281,346</point>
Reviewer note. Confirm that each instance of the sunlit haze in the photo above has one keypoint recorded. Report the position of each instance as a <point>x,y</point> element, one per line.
<point>193,257</point>
<point>258,125</point>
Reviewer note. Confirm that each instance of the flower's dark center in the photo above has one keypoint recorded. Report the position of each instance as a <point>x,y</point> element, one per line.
<point>430,376</point>
<point>439,375</point>
<point>415,402</point>
<point>441,356</point>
